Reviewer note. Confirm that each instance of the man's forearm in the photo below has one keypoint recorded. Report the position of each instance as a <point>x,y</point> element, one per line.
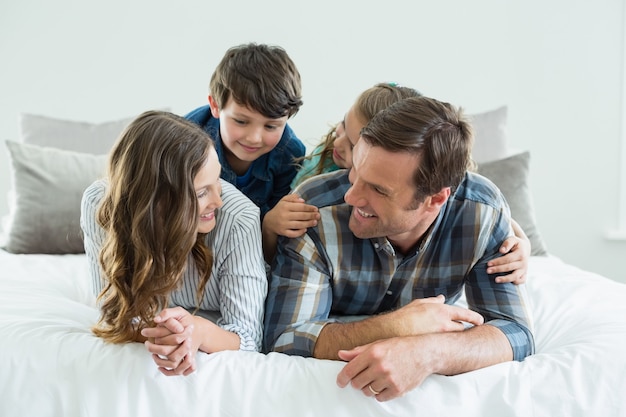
<point>455,353</point>
<point>452,353</point>
<point>344,336</point>
<point>429,315</point>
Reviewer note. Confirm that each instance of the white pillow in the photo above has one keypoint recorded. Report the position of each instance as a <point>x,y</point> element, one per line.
<point>490,137</point>
<point>47,187</point>
<point>93,138</point>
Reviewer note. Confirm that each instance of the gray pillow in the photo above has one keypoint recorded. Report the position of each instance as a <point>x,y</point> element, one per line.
<point>48,184</point>
<point>94,138</point>
<point>511,176</point>
<point>490,137</point>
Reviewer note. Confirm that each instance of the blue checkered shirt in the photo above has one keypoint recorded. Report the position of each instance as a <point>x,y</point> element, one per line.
<point>329,273</point>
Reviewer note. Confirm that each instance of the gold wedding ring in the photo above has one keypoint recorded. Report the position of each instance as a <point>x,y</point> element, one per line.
<point>373,390</point>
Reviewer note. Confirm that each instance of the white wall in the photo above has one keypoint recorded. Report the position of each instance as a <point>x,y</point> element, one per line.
<point>556,64</point>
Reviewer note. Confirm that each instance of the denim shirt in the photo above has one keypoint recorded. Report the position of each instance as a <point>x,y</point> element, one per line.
<point>272,173</point>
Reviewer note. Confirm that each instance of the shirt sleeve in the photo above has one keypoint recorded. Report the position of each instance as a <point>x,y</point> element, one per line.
<point>299,298</point>
<point>93,234</point>
<point>502,305</point>
<point>242,278</point>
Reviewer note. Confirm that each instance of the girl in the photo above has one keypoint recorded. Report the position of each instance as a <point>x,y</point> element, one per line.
<point>162,230</point>
<point>335,150</point>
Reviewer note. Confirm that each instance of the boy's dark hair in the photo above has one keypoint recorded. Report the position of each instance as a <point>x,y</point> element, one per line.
<point>261,77</point>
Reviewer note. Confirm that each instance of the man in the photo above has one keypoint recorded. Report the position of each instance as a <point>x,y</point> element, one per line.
<point>414,230</point>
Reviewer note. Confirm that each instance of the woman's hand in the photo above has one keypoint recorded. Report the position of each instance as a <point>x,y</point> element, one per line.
<point>171,342</point>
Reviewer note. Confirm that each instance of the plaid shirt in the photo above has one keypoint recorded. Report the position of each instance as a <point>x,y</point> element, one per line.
<point>329,273</point>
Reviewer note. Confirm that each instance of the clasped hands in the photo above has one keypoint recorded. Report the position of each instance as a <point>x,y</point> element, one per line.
<point>171,343</point>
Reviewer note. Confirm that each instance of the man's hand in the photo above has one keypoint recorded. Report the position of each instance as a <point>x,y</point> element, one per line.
<point>389,368</point>
<point>430,315</point>
<point>385,369</point>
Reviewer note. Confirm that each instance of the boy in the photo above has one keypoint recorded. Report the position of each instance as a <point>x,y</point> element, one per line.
<point>254,90</point>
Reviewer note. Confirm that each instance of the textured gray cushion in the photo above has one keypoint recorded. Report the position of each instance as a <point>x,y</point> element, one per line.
<point>490,137</point>
<point>48,185</point>
<point>511,176</point>
<point>94,138</point>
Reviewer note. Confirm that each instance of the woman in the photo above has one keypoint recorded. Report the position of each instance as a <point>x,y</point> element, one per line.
<point>162,230</point>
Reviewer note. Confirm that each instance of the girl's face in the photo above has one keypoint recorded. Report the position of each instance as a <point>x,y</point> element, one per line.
<point>342,147</point>
<point>208,191</point>
<point>246,134</point>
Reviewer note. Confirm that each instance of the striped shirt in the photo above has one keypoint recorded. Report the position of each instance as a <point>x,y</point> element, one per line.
<point>235,294</point>
<point>329,273</point>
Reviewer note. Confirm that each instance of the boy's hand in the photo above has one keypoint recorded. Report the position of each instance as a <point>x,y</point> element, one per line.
<point>290,217</point>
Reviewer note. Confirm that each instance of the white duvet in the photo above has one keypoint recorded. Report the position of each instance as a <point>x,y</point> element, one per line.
<point>51,364</point>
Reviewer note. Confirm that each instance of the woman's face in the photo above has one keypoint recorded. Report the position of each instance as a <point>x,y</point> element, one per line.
<point>208,191</point>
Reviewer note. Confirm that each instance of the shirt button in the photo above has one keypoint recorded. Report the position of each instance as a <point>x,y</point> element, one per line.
<point>389,292</point>
<point>376,245</point>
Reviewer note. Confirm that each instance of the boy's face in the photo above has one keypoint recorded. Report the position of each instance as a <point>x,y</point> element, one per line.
<point>246,133</point>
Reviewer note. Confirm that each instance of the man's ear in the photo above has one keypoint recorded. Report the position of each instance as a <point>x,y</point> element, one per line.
<point>435,201</point>
<point>215,111</point>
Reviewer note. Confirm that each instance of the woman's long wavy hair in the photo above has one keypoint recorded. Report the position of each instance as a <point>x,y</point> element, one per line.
<point>150,216</point>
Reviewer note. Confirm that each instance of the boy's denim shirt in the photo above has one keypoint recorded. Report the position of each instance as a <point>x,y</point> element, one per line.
<point>272,173</point>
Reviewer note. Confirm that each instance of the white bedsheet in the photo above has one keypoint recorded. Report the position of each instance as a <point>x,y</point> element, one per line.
<point>51,364</point>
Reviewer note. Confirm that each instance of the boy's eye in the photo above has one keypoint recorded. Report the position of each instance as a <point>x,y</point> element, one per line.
<point>239,122</point>
<point>271,127</point>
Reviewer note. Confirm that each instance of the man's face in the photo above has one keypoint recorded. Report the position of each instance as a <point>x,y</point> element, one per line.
<point>382,196</point>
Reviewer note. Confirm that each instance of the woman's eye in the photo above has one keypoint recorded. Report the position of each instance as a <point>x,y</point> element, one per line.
<point>201,194</point>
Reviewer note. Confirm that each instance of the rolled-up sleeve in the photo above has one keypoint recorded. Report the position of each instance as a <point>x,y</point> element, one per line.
<point>503,305</point>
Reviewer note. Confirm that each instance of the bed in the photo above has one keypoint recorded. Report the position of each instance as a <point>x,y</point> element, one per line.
<point>52,365</point>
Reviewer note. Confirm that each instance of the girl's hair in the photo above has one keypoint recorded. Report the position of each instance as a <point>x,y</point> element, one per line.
<point>367,105</point>
<point>438,132</point>
<point>150,216</point>
<point>325,153</point>
<point>379,97</point>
